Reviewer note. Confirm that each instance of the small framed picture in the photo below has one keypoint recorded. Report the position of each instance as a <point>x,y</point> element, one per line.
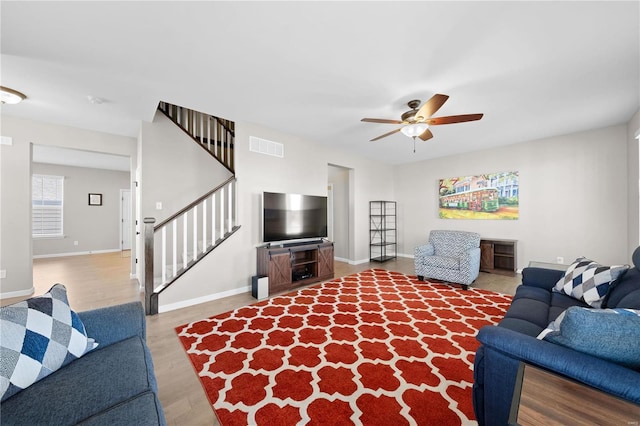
<point>95,199</point>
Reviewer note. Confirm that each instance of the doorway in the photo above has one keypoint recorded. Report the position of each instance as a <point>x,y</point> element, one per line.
<point>87,172</point>
<point>341,205</point>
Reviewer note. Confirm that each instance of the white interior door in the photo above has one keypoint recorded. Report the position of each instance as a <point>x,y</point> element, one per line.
<point>125,219</point>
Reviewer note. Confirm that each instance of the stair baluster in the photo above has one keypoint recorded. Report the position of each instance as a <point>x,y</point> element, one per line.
<point>164,250</point>
<point>220,133</point>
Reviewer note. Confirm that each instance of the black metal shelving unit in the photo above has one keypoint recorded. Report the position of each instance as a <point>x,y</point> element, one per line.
<point>382,231</point>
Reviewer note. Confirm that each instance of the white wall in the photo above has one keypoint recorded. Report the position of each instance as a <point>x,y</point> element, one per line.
<point>175,171</point>
<point>96,228</point>
<point>633,193</point>
<point>304,169</point>
<point>15,189</point>
<point>573,197</point>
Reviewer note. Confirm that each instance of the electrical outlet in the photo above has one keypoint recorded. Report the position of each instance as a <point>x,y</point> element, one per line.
<point>560,259</point>
<point>3,273</point>
<point>75,243</point>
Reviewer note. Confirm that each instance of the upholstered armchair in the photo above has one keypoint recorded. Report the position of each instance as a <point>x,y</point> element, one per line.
<point>452,256</point>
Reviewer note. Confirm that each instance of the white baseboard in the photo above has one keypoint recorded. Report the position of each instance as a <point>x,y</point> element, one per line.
<point>75,253</point>
<point>361,261</point>
<point>350,262</point>
<point>203,299</point>
<point>20,293</point>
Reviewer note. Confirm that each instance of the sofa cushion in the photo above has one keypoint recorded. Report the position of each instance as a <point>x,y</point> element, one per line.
<point>100,380</point>
<point>442,262</point>
<point>141,410</point>
<point>625,293</point>
<point>589,281</point>
<point>453,243</point>
<point>611,334</point>
<point>532,308</point>
<point>39,335</point>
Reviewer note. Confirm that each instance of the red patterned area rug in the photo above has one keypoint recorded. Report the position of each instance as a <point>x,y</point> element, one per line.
<point>374,348</point>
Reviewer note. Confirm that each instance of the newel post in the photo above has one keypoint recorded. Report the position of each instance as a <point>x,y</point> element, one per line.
<point>150,299</point>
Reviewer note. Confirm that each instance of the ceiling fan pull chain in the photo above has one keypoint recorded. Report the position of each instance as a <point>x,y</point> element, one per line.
<point>414,144</point>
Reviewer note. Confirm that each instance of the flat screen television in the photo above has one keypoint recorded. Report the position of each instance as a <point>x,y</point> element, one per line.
<point>287,217</point>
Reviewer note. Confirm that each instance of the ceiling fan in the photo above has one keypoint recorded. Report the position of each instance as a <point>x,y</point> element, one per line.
<point>416,122</point>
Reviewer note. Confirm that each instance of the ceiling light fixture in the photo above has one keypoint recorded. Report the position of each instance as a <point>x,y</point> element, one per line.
<point>95,100</point>
<point>414,130</point>
<point>10,96</point>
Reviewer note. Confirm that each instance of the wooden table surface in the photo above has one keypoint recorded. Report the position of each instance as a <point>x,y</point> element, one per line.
<point>550,399</point>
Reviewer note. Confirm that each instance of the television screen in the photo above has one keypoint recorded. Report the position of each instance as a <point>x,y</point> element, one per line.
<point>293,216</point>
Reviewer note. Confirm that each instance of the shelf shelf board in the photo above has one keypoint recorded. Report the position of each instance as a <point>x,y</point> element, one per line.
<point>382,258</point>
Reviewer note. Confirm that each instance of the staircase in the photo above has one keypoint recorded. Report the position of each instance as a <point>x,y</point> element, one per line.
<point>179,242</point>
<point>215,135</point>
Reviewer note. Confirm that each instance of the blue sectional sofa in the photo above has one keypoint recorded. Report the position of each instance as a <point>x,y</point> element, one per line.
<point>513,340</point>
<point>113,384</point>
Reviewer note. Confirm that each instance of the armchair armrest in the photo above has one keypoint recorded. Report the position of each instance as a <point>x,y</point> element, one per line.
<point>115,323</point>
<point>470,262</point>
<point>424,250</point>
<point>470,254</point>
<point>596,372</point>
<point>541,277</point>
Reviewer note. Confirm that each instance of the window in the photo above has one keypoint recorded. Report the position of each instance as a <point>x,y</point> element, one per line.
<point>46,201</point>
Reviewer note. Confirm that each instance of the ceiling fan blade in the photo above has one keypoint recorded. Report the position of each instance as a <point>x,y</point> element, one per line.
<point>381,120</point>
<point>453,119</point>
<point>431,106</point>
<point>426,135</point>
<point>386,134</point>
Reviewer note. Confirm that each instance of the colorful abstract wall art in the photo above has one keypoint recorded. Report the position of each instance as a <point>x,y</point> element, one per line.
<point>488,196</point>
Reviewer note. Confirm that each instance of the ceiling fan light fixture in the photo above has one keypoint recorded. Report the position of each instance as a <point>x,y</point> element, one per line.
<point>95,100</point>
<point>414,130</point>
<point>10,96</point>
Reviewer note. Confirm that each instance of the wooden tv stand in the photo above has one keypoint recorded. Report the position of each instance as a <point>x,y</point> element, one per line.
<point>295,265</point>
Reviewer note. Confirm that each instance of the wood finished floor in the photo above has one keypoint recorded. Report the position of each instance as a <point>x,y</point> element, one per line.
<point>103,279</point>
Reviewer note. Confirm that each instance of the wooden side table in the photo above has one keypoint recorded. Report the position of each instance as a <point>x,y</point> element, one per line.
<point>544,398</point>
<point>498,256</point>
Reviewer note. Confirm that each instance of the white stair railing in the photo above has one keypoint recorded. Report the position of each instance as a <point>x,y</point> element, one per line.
<point>206,223</point>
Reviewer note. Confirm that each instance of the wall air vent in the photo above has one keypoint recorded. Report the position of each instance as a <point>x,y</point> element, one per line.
<point>264,146</point>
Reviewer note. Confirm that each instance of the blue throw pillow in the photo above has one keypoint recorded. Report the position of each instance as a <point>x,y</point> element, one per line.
<point>611,334</point>
<point>39,335</point>
<point>589,281</point>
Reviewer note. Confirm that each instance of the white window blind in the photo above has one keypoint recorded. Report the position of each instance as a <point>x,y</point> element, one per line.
<point>46,200</point>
